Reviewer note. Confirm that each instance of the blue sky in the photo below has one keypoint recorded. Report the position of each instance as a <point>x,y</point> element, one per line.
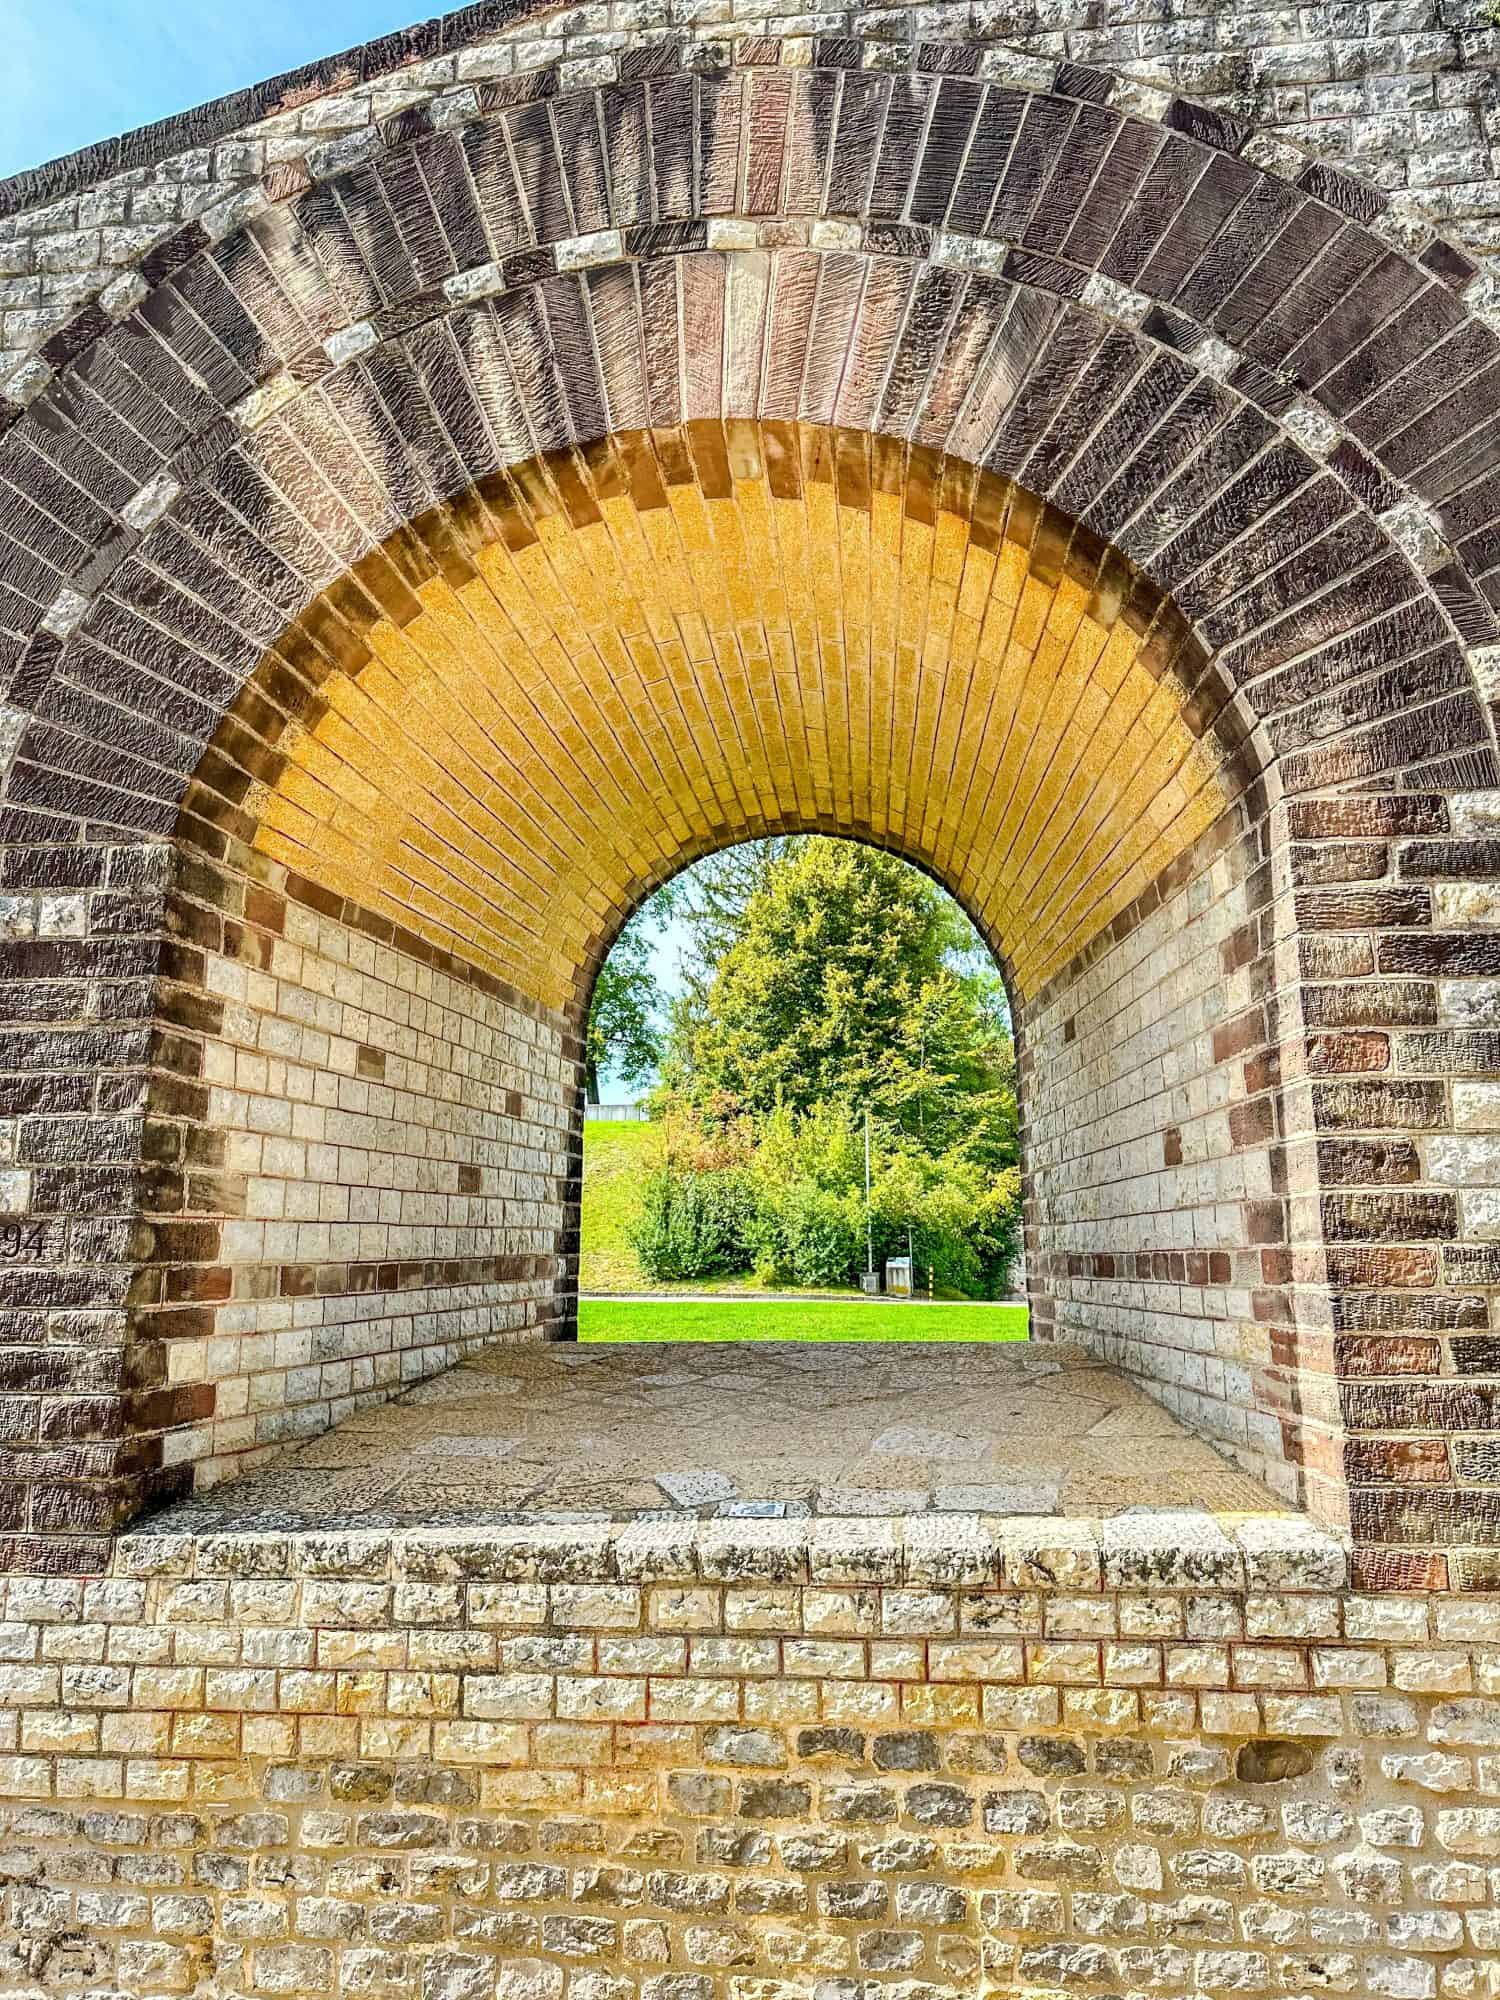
<point>82,70</point>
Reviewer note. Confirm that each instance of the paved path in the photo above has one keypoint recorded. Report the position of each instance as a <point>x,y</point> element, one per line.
<point>741,1428</point>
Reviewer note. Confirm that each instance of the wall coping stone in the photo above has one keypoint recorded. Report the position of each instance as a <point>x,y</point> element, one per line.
<point>1167,1551</point>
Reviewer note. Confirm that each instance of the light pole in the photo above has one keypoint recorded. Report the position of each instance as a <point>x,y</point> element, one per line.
<point>869,1219</point>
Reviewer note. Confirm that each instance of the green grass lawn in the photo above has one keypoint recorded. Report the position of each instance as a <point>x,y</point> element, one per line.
<point>799,1319</point>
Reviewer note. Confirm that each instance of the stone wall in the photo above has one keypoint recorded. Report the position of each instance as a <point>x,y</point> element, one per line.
<point>1403,93</point>
<point>373,1163</point>
<point>1150,1167</point>
<point>756,1760</point>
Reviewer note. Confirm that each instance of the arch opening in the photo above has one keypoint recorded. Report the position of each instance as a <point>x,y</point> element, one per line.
<point>423,822</point>
<point>799,1065</point>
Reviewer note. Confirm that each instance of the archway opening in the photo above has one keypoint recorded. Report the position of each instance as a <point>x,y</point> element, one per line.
<point>800,1088</point>
<point>421,828</point>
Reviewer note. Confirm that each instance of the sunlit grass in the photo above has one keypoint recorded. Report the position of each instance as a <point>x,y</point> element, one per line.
<point>795,1319</point>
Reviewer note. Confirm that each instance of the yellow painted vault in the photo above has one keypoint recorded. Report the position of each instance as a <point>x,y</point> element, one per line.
<point>510,723</point>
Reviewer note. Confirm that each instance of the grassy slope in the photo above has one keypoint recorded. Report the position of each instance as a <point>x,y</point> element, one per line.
<point>616,1161</point>
<point>832,1319</point>
<point>615,1165</point>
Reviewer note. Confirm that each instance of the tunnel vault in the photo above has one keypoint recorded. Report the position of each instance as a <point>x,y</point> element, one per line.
<point>503,732</point>
<point>410,563</point>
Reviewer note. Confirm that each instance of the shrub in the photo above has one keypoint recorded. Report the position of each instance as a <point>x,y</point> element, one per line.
<point>788,1199</point>
<point>824,1236</point>
<point>692,1224</point>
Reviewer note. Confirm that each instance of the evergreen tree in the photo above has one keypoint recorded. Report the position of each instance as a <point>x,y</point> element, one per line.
<point>830,971</point>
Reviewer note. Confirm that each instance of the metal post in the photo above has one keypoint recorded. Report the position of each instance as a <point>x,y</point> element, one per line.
<point>869,1219</point>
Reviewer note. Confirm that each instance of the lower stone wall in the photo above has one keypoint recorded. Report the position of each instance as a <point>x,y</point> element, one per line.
<point>364,1151</point>
<point>757,1760</point>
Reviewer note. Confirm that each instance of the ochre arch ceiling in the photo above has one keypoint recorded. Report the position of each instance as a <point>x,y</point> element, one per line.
<point>523,713</point>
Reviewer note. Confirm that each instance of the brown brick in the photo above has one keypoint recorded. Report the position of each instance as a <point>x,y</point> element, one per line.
<point>1367,818</point>
<point>1372,1003</point>
<point>1356,909</point>
<point>1347,1054</point>
<point>1396,1461</point>
<point>1381,1570</point>
<point>1399,1312</point>
<point>1383,1106</point>
<point>1445,955</point>
<point>1455,1054</point>
<point>1368,1162</point>
<point>1334,957</point>
<point>1450,861</point>
<point>1407,1216</point>
<point>1365,1356</point>
<point>1339,861</point>
<point>1383,1267</point>
<point>1425,1517</point>
<point>1233,1038</point>
<point>1252,1125</point>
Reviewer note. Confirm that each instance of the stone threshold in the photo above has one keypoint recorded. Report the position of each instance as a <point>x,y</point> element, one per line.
<point>1170,1550</point>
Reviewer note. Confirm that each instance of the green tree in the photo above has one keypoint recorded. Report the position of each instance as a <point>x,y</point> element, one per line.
<point>624,1033</point>
<point>830,971</point>
<point>709,899</point>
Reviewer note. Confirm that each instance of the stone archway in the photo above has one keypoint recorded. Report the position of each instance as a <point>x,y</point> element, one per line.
<point>1198,383</point>
<point>614,661</point>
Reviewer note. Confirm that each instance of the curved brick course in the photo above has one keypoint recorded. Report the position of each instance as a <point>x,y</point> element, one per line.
<point>1404,96</point>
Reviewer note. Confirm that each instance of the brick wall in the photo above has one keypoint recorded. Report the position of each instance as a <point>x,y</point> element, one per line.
<point>1245,386</point>
<point>370,1176</point>
<point>748,1760</point>
<point>1156,1223</point>
<point>1404,96</point>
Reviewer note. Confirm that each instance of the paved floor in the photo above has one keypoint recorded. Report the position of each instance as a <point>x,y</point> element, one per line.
<point>622,1431</point>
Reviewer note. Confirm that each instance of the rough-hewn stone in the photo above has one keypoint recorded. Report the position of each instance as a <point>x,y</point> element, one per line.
<point>280,1761</point>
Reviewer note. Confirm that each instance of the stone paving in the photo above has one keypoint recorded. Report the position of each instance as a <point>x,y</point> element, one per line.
<point>760,1429</point>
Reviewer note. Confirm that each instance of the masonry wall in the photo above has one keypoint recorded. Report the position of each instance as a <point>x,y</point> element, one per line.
<point>374,1145</point>
<point>1156,1222</point>
<point>1404,93</point>
<point>754,1760</point>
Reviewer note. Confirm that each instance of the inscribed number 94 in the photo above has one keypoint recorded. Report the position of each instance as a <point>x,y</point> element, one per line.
<point>22,1240</point>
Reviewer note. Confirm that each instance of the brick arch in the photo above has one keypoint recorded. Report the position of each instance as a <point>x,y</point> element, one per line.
<point>618,659</point>
<point>1291,441</point>
<point>1328,323</point>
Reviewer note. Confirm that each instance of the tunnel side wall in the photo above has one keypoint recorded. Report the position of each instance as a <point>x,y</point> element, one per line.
<point>1156,1165</point>
<point>366,1147</point>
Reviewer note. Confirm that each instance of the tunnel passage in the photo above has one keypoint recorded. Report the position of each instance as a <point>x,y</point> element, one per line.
<point>1210,356</point>
<point>454,777</point>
